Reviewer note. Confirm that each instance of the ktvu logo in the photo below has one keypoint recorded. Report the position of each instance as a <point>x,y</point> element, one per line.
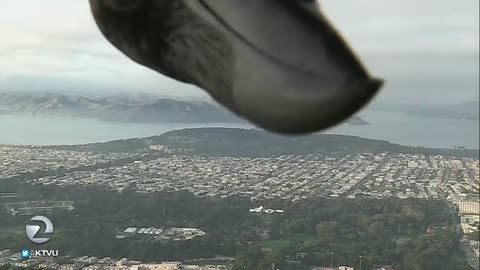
<point>32,231</point>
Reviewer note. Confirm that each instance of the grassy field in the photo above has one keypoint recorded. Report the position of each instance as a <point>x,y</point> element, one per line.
<point>203,262</point>
<point>210,262</point>
<point>38,207</point>
<point>7,231</point>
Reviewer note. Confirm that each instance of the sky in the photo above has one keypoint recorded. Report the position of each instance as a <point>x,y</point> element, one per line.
<point>426,50</point>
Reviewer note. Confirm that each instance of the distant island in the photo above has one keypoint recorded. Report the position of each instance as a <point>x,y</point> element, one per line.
<point>255,142</point>
<point>461,111</point>
<point>143,108</point>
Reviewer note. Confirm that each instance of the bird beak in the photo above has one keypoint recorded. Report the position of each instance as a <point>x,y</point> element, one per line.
<point>278,63</point>
<point>293,73</point>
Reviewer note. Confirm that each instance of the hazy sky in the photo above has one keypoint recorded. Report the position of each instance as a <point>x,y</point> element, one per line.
<point>426,49</point>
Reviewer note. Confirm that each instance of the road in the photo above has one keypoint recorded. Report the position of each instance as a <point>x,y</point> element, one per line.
<point>366,178</point>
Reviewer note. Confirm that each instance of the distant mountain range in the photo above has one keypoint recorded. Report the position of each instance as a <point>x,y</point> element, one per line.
<point>142,108</point>
<point>121,108</point>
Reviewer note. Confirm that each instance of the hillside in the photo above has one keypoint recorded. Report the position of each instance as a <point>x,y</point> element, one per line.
<point>141,108</point>
<point>252,142</point>
<point>115,108</point>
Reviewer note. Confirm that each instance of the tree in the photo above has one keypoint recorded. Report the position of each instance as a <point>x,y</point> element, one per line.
<point>376,228</point>
<point>327,231</point>
<point>252,258</point>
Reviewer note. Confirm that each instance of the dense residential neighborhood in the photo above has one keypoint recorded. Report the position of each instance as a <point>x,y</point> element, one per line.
<point>16,160</point>
<point>94,263</point>
<point>295,177</point>
<point>292,177</point>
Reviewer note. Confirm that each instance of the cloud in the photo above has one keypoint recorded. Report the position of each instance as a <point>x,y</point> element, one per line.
<point>58,40</point>
<point>433,26</point>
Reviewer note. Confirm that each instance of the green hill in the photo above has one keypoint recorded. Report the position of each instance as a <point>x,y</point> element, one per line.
<point>253,142</point>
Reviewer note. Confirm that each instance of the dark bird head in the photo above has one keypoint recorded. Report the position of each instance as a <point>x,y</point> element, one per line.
<point>278,63</point>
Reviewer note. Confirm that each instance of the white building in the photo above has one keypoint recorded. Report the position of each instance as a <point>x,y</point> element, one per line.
<point>412,164</point>
<point>469,208</point>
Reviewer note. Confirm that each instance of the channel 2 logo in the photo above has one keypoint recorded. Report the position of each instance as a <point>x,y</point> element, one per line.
<point>32,230</point>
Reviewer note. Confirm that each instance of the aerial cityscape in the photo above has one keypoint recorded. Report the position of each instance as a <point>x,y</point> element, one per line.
<point>239,135</point>
<point>293,177</point>
<point>377,175</point>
